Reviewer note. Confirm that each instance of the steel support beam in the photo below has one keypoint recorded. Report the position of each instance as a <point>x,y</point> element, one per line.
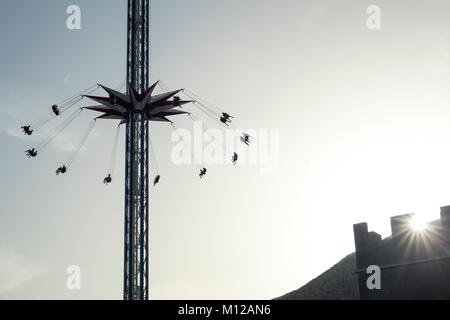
<point>136,271</point>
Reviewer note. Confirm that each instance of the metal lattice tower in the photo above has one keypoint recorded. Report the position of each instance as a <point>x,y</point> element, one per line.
<point>137,159</point>
<point>136,108</point>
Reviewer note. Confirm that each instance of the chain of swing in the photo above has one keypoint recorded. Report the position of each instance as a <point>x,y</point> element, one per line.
<point>60,108</point>
<point>57,110</point>
<point>213,112</point>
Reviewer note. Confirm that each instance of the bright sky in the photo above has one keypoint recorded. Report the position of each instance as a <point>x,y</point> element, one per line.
<point>362,117</point>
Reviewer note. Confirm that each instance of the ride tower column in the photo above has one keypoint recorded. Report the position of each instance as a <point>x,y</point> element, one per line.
<point>136,234</point>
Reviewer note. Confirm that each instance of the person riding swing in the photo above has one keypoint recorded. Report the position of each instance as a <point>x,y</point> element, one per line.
<point>107,180</point>
<point>31,153</point>
<point>246,138</point>
<point>202,173</point>
<point>227,116</point>
<point>61,170</point>
<point>176,101</point>
<point>27,130</point>
<point>225,121</point>
<point>234,159</point>
<point>55,110</point>
<point>156,181</point>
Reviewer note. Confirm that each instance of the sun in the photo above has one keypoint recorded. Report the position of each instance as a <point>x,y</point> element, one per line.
<point>417,223</point>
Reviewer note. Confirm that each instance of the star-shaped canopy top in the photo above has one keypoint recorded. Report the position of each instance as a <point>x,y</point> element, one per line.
<point>120,106</point>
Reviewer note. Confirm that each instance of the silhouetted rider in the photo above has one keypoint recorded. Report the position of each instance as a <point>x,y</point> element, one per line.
<point>246,138</point>
<point>55,110</point>
<point>31,153</point>
<point>61,170</point>
<point>108,179</point>
<point>235,158</point>
<point>225,121</point>
<point>176,101</point>
<point>202,173</point>
<point>27,130</point>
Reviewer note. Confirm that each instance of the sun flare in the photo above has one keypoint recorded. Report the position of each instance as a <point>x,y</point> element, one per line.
<point>418,224</point>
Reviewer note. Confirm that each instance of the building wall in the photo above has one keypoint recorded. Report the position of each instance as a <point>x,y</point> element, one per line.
<point>414,265</point>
